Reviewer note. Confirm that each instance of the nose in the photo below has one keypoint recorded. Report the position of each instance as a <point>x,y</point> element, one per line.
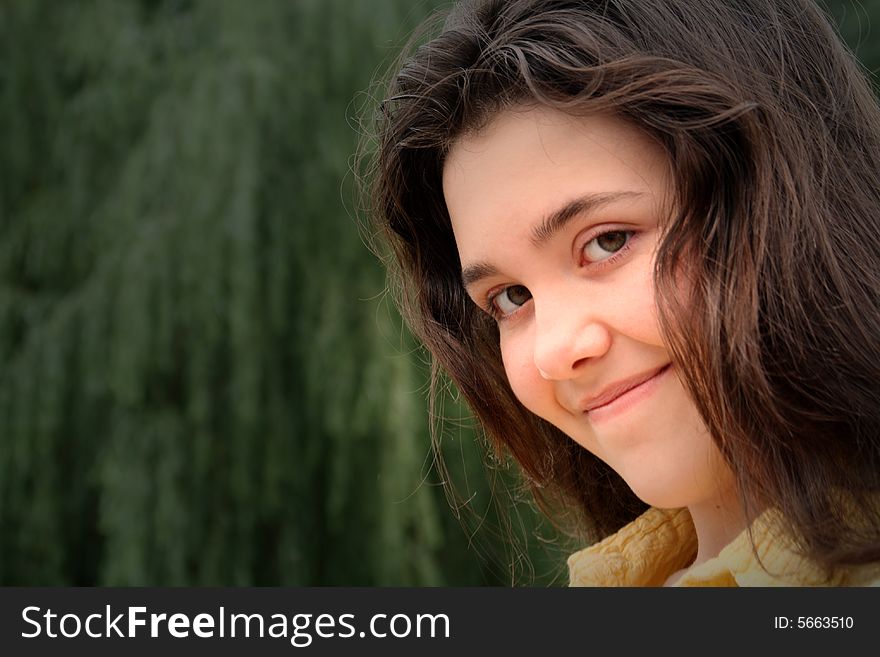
<point>568,335</point>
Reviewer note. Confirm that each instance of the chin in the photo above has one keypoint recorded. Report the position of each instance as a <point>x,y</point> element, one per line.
<point>661,492</point>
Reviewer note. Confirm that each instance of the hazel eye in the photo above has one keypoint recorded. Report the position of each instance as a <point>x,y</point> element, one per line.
<point>510,299</point>
<point>606,245</point>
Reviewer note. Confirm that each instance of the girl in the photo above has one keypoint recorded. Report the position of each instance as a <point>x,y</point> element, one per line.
<point>643,239</point>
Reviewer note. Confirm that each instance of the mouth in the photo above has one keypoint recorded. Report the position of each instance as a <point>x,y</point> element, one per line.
<point>620,396</point>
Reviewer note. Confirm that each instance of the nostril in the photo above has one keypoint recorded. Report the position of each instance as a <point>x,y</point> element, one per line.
<point>577,364</point>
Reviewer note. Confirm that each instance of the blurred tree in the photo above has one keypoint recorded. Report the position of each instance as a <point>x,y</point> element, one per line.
<point>197,386</point>
<point>858,22</point>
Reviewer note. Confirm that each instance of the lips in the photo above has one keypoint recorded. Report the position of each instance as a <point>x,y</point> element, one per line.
<point>619,388</point>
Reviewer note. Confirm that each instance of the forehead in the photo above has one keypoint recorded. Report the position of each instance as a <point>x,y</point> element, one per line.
<point>528,161</point>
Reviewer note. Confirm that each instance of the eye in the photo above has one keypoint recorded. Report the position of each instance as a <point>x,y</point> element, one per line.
<point>509,300</point>
<point>606,245</point>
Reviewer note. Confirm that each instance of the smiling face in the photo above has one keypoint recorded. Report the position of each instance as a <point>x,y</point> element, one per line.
<point>557,220</point>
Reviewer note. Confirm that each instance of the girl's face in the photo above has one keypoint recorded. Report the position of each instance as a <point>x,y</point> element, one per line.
<point>557,220</point>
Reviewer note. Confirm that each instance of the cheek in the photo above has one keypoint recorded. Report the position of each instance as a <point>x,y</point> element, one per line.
<point>646,323</point>
<point>678,295</point>
<point>635,313</point>
<point>531,389</point>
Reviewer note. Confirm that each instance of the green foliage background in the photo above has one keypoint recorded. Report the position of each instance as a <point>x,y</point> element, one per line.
<point>201,381</point>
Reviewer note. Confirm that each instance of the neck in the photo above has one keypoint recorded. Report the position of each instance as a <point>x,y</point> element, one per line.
<point>717,521</point>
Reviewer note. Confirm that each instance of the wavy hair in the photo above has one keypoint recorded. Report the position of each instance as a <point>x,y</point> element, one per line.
<point>773,135</point>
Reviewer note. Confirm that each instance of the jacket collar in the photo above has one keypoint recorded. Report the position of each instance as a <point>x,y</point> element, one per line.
<point>662,541</point>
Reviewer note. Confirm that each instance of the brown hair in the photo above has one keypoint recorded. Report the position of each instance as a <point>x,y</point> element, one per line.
<point>774,138</point>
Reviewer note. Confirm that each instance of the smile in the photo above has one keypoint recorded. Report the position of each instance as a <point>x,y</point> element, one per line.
<point>620,397</point>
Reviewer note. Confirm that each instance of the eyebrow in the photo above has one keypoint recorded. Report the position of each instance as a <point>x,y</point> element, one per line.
<point>550,226</point>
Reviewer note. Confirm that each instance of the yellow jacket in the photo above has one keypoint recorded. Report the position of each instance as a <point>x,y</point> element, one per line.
<point>660,542</point>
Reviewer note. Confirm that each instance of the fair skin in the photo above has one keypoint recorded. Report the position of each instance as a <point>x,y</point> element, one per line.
<point>557,220</point>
